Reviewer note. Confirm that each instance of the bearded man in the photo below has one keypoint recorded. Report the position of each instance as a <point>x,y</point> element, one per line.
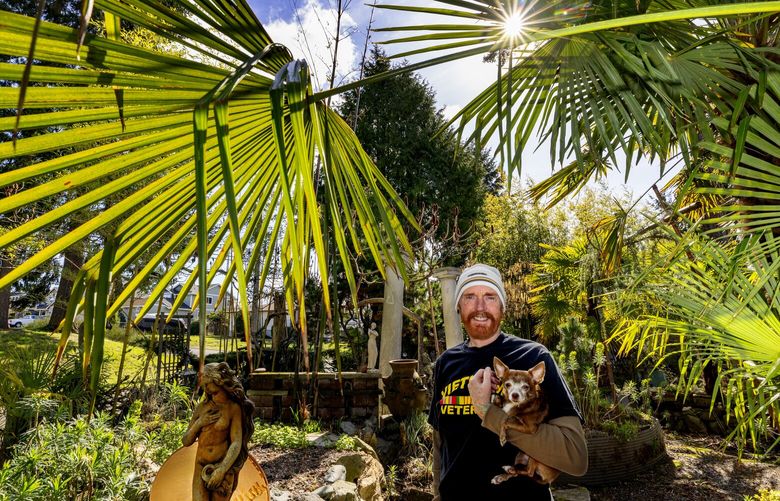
<point>467,452</point>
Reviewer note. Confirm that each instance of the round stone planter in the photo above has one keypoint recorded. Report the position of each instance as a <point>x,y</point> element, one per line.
<point>611,461</point>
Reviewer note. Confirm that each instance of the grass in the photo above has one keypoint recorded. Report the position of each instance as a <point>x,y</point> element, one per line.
<point>214,343</point>
<point>134,360</point>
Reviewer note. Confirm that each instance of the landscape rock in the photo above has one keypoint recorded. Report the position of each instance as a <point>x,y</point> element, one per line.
<point>693,422</point>
<point>337,472</point>
<point>308,496</point>
<point>366,447</point>
<point>387,450</point>
<point>322,439</point>
<point>349,428</point>
<point>341,490</point>
<point>367,472</point>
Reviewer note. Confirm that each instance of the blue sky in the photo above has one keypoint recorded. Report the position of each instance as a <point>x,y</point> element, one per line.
<point>305,26</point>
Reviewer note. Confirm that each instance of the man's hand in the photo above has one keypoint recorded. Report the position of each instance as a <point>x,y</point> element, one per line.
<point>480,388</point>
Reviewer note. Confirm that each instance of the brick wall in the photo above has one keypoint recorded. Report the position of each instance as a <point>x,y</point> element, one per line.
<point>273,394</point>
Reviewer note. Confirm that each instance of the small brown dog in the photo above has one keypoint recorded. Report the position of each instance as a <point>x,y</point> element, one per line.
<point>521,397</point>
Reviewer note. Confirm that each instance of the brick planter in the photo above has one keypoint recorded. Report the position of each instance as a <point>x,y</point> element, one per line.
<point>273,394</point>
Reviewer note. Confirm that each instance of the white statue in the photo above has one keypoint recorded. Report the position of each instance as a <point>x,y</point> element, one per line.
<point>372,350</point>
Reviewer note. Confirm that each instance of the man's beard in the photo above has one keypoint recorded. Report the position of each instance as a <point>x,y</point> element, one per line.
<point>482,331</point>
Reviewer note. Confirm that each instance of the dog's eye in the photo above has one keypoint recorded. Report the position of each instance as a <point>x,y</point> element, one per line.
<point>524,387</point>
<point>507,385</point>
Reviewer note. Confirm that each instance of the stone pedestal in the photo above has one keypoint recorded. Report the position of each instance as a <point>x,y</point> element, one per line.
<point>392,321</point>
<point>448,280</point>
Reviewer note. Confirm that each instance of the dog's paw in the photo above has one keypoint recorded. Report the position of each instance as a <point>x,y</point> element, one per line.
<point>510,469</point>
<point>498,479</point>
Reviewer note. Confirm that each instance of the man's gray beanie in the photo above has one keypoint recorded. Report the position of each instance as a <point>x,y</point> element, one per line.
<point>481,274</point>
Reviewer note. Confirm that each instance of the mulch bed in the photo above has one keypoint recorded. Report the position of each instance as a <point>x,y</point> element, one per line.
<point>696,470</point>
<point>296,470</point>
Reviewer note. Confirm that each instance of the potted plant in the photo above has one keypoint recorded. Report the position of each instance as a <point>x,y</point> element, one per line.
<point>623,437</point>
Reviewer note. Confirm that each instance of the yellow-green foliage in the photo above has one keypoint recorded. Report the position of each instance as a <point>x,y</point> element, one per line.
<point>764,495</point>
<point>288,437</point>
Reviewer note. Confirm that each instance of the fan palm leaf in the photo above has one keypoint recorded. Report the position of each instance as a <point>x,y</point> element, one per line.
<point>721,308</point>
<point>593,78</point>
<point>744,172</point>
<point>202,154</point>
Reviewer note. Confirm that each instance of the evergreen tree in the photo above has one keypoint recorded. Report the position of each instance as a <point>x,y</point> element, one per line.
<point>442,182</point>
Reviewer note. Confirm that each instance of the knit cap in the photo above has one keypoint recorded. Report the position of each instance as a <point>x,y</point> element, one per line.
<point>481,274</point>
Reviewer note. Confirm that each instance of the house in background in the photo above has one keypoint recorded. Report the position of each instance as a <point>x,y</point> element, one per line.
<point>211,298</point>
<point>229,302</point>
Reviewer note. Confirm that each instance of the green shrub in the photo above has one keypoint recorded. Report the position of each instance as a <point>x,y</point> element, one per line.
<point>311,426</point>
<point>621,419</point>
<point>345,443</point>
<point>288,437</point>
<point>73,460</point>
<point>166,439</point>
<point>623,431</point>
<point>168,402</point>
<point>93,460</point>
<point>416,435</point>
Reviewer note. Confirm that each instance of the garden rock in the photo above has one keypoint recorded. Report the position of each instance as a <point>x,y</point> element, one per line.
<point>693,422</point>
<point>365,447</point>
<point>367,472</point>
<point>308,496</point>
<point>344,491</point>
<point>387,450</point>
<point>369,429</point>
<point>349,428</point>
<point>335,473</point>
<point>322,439</point>
<point>572,494</point>
<point>340,490</point>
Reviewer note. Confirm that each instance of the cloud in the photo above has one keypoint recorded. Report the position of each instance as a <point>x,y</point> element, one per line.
<point>309,34</point>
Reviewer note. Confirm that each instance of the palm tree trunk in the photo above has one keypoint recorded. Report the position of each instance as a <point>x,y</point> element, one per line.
<point>74,259</point>
<point>593,312</point>
<point>128,326</point>
<point>5,293</point>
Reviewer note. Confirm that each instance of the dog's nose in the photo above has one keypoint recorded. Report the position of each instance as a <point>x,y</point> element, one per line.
<point>515,396</point>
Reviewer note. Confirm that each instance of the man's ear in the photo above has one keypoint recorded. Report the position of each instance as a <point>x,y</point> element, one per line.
<point>500,368</point>
<point>537,372</point>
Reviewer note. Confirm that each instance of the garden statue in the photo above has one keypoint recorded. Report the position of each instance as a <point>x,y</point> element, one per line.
<point>222,424</point>
<point>372,349</point>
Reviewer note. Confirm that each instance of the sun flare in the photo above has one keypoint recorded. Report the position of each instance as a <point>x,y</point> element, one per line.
<point>514,24</point>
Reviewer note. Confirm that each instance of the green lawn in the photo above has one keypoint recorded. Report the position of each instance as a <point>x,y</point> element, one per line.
<point>214,343</point>
<point>134,360</point>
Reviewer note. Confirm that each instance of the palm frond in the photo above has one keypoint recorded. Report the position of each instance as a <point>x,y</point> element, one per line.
<point>588,76</point>
<point>205,154</point>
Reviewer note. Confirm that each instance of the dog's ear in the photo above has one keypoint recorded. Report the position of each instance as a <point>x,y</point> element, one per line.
<point>500,368</point>
<point>537,372</point>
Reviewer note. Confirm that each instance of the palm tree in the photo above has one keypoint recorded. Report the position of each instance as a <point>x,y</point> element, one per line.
<point>207,151</point>
<point>638,77</point>
<point>696,82</point>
